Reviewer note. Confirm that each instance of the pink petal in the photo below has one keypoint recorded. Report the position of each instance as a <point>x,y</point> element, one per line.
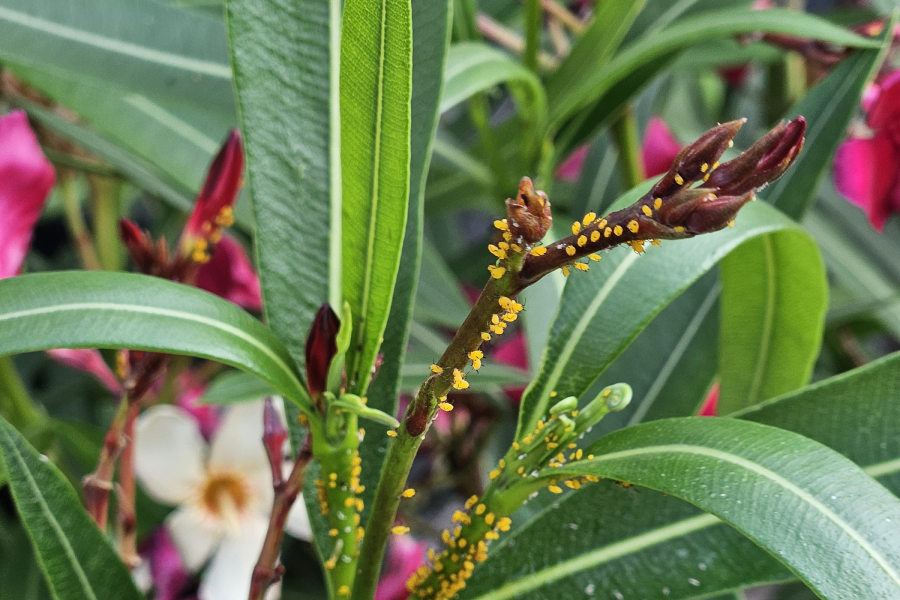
<point>170,578</point>
<point>229,274</point>
<point>405,555</point>
<point>864,173</point>
<point>515,354</point>
<point>220,190</point>
<point>710,405</point>
<point>26,178</point>
<point>190,389</point>
<point>885,108</point>
<point>660,148</point>
<point>570,169</point>
<point>89,361</point>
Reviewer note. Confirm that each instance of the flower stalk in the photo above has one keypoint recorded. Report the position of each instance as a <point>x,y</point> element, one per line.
<point>671,210</point>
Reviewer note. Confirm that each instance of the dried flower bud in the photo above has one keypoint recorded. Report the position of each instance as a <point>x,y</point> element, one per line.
<point>274,436</point>
<point>321,346</point>
<point>762,163</point>
<point>528,214</point>
<point>697,160</point>
<point>213,207</point>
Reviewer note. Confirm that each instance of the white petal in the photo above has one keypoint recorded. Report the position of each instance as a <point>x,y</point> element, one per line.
<point>238,446</point>
<point>228,575</point>
<point>169,454</point>
<point>195,538</point>
<point>298,521</point>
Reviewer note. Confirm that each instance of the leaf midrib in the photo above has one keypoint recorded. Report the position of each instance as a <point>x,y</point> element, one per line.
<point>768,326</point>
<point>193,65</point>
<point>51,519</point>
<point>626,546</point>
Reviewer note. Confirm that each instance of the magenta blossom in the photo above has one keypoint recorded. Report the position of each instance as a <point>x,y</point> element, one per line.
<point>657,153</point>
<point>404,556</point>
<point>866,168</point>
<point>169,575</point>
<point>90,361</point>
<point>229,274</point>
<point>26,178</point>
<point>659,149</point>
<point>190,389</point>
<point>710,406</point>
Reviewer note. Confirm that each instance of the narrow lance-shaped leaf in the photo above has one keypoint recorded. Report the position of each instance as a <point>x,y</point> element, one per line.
<point>376,86</point>
<point>93,309</point>
<point>286,85</point>
<point>78,561</point>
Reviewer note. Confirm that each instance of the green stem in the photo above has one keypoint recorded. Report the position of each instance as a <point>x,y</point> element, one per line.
<point>534,20</point>
<point>627,141</point>
<point>15,402</point>
<point>106,222</point>
<point>83,241</point>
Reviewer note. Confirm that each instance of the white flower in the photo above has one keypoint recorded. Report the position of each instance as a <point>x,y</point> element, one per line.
<point>223,492</point>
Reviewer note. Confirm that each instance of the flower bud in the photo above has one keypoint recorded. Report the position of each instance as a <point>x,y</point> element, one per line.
<point>321,346</point>
<point>762,163</point>
<point>274,436</point>
<point>139,245</point>
<point>213,207</point>
<point>697,160</point>
<point>528,214</point>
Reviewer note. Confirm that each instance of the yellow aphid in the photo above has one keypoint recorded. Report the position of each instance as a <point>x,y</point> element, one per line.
<point>391,433</point>
<point>495,319</point>
<point>679,179</point>
<point>489,518</point>
<point>472,501</point>
<point>601,224</point>
<point>497,329</point>
<point>617,230</point>
<point>539,251</point>
<point>715,165</point>
<point>566,271</point>
<point>731,223</point>
<point>330,564</point>
<point>494,474</point>
<point>504,524</point>
<point>655,242</point>
<point>399,530</point>
<point>589,218</point>
<point>595,235</point>
<point>485,336</point>
<point>503,246</point>
<point>510,317</point>
<point>436,369</point>
<point>515,247</point>
<point>515,307</point>
<point>570,250</point>
<point>633,225</point>
<point>555,489</point>
<point>504,302</point>
<point>607,232</point>
<point>476,354</point>
<point>730,143</point>
<point>496,272</point>
<point>576,227</point>
<point>581,266</point>
<point>657,203</point>
<point>637,246</point>
<point>582,240</point>
<point>479,510</point>
<point>647,210</point>
<point>333,532</point>
<point>459,380</point>
<point>507,236</point>
<point>501,254</point>
<point>501,224</point>
<point>594,257</point>
<point>446,406</point>
<point>679,229</point>
<point>704,168</point>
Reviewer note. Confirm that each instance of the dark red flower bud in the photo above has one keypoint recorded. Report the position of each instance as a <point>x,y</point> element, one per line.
<point>697,160</point>
<point>762,163</point>
<point>139,245</point>
<point>528,214</point>
<point>213,207</point>
<point>274,436</point>
<point>321,346</point>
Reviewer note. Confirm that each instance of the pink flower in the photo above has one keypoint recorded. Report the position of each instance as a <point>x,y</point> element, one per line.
<point>90,361</point>
<point>515,354</point>
<point>229,274</point>
<point>26,178</point>
<point>659,148</point>
<point>169,576</point>
<point>404,556</point>
<point>866,168</point>
<point>190,389</point>
<point>570,169</point>
<point>710,405</point>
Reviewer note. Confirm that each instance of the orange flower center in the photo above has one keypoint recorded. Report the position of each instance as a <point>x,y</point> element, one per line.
<point>225,496</point>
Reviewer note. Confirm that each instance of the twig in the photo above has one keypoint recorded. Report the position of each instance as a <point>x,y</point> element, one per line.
<point>510,40</point>
<point>558,38</point>
<point>562,15</point>
<point>127,515</point>
<point>98,484</point>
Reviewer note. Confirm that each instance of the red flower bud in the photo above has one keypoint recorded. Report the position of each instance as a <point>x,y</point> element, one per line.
<point>140,247</point>
<point>274,436</point>
<point>697,160</point>
<point>762,163</point>
<point>321,346</point>
<point>213,207</point>
<point>528,214</point>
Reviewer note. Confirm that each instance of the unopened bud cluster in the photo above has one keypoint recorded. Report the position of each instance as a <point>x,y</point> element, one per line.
<point>520,474</point>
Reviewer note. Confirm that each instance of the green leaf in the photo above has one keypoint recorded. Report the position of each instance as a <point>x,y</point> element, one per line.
<point>431,22</point>
<point>778,488</point>
<point>652,542</point>
<point>603,310</point>
<point>439,297</point>
<point>235,387</point>
<point>774,297</point>
<point>93,309</point>
<point>139,172</point>
<point>593,48</point>
<point>78,561</point>
<point>828,107</point>
<point>701,28</point>
<point>147,47</point>
<point>376,86</point>
<point>285,76</point>
<point>474,67</point>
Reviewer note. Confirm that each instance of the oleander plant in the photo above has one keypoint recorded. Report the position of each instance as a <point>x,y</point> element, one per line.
<point>449,299</point>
